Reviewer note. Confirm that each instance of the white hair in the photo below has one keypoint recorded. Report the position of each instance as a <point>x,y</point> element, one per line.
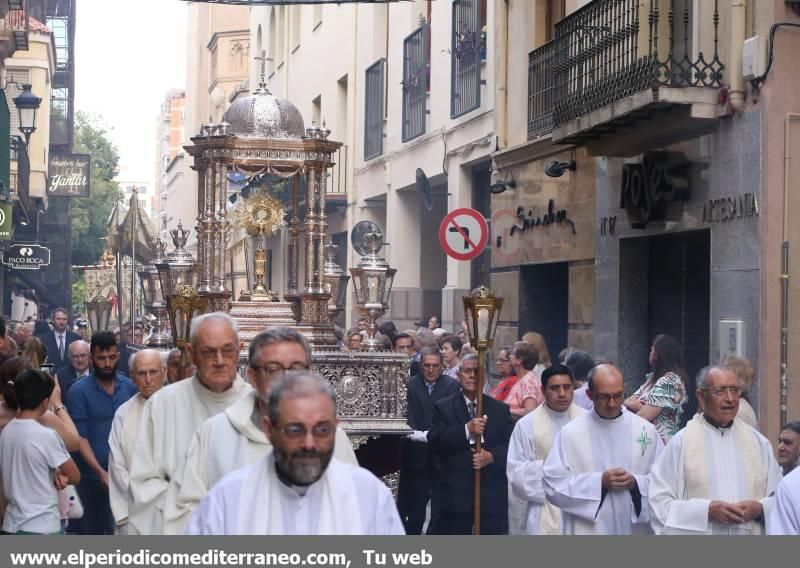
<point>200,321</point>
<point>135,357</point>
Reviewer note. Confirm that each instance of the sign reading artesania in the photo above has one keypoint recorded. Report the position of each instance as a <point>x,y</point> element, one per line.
<point>69,175</point>
<point>26,256</point>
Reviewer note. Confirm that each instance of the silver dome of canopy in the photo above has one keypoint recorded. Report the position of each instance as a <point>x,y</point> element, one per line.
<point>263,115</point>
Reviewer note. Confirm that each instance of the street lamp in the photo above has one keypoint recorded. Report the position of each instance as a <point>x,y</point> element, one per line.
<point>372,284</point>
<point>178,279</point>
<point>482,311</point>
<point>27,106</point>
<point>335,282</point>
<point>154,299</point>
<point>99,311</point>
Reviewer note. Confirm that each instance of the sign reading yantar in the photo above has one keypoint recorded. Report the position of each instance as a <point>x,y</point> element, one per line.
<point>69,175</point>
<point>26,256</point>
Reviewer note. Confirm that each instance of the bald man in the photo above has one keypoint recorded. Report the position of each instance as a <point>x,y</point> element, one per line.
<point>79,365</point>
<point>149,373</point>
<point>597,471</point>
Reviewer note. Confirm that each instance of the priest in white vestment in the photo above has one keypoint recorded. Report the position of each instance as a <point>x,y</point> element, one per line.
<point>530,443</point>
<point>172,416</point>
<point>149,373</point>
<point>717,475</point>
<point>597,471</point>
<point>299,488</point>
<point>235,438</point>
<point>785,516</point>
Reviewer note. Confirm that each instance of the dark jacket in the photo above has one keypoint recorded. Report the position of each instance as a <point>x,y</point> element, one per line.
<point>51,347</point>
<point>450,446</point>
<point>417,455</point>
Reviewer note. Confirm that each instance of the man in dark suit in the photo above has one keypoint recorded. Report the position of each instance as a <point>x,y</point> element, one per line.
<point>79,366</point>
<point>418,473</point>
<point>451,439</point>
<point>57,341</point>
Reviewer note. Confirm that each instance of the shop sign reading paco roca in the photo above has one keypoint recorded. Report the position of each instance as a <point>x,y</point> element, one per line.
<point>69,175</point>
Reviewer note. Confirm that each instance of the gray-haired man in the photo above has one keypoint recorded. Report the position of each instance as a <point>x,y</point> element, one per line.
<point>173,415</point>
<point>236,438</point>
<point>300,487</point>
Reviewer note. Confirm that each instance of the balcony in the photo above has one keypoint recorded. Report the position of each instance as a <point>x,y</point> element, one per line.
<point>14,28</point>
<point>624,76</point>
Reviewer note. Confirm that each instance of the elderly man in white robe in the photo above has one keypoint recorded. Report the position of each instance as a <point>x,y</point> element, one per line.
<point>717,475</point>
<point>530,443</point>
<point>299,488</point>
<point>597,471</point>
<point>149,373</point>
<point>172,416</point>
<point>235,438</point>
<point>785,516</point>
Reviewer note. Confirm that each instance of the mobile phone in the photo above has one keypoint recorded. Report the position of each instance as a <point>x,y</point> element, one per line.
<point>48,368</point>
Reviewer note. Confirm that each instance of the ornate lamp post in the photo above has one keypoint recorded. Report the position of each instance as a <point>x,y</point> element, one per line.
<point>335,282</point>
<point>154,299</point>
<point>372,284</point>
<point>482,310</point>
<point>27,106</point>
<point>178,279</point>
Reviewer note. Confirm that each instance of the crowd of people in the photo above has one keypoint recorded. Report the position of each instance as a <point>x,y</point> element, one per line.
<point>102,437</point>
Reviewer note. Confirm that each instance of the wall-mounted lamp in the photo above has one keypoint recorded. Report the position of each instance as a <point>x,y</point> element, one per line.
<point>500,186</point>
<point>556,169</point>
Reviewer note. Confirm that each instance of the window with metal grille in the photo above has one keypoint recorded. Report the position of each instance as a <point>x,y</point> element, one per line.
<point>416,77</point>
<point>373,114</point>
<point>467,50</point>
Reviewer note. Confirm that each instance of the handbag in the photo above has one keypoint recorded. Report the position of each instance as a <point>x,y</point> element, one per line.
<point>70,502</point>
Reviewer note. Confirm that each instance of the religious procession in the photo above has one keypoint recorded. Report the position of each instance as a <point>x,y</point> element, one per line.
<point>402,268</point>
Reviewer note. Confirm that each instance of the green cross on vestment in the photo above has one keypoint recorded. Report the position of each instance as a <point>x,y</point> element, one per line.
<point>644,440</point>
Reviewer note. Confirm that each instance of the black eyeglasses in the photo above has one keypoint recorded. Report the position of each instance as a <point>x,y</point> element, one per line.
<point>272,369</point>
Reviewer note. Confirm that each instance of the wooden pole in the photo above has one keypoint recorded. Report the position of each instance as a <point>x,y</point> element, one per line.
<point>479,414</point>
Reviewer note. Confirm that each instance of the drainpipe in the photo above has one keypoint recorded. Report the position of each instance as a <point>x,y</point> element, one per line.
<point>501,93</point>
<point>787,160</point>
<point>738,33</point>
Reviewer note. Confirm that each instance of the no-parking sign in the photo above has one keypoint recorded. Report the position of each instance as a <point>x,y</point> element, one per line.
<point>463,234</point>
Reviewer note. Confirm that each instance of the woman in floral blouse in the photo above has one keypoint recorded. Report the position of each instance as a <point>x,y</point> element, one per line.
<point>526,394</point>
<point>663,396</point>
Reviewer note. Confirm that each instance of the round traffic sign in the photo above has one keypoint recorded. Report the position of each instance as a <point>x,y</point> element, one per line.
<point>463,234</point>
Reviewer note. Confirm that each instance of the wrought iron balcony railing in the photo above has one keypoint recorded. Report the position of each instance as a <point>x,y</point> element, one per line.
<point>613,49</point>
<point>416,80</point>
<point>541,89</point>
<point>375,95</point>
<point>16,24</point>
<point>468,51</point>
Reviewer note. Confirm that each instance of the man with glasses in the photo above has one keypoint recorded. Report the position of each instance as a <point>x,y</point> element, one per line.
<point>300,488</point>
<point>236,438</point>
<point>149,374</point>
<point>172,416</point>
<point>597,470</point>
<point>92,402</point>
<point>717,475</point>
<point>417,472</point>
<point>79,366</point>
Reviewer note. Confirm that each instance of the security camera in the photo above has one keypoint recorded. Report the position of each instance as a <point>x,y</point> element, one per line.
<point>556,169</point>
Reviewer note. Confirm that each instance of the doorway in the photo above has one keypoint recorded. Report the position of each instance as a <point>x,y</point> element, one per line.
<point>544,303</point>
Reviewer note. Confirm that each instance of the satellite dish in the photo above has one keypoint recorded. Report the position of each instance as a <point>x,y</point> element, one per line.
<point>424,190</point>
<point>357,236</point>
